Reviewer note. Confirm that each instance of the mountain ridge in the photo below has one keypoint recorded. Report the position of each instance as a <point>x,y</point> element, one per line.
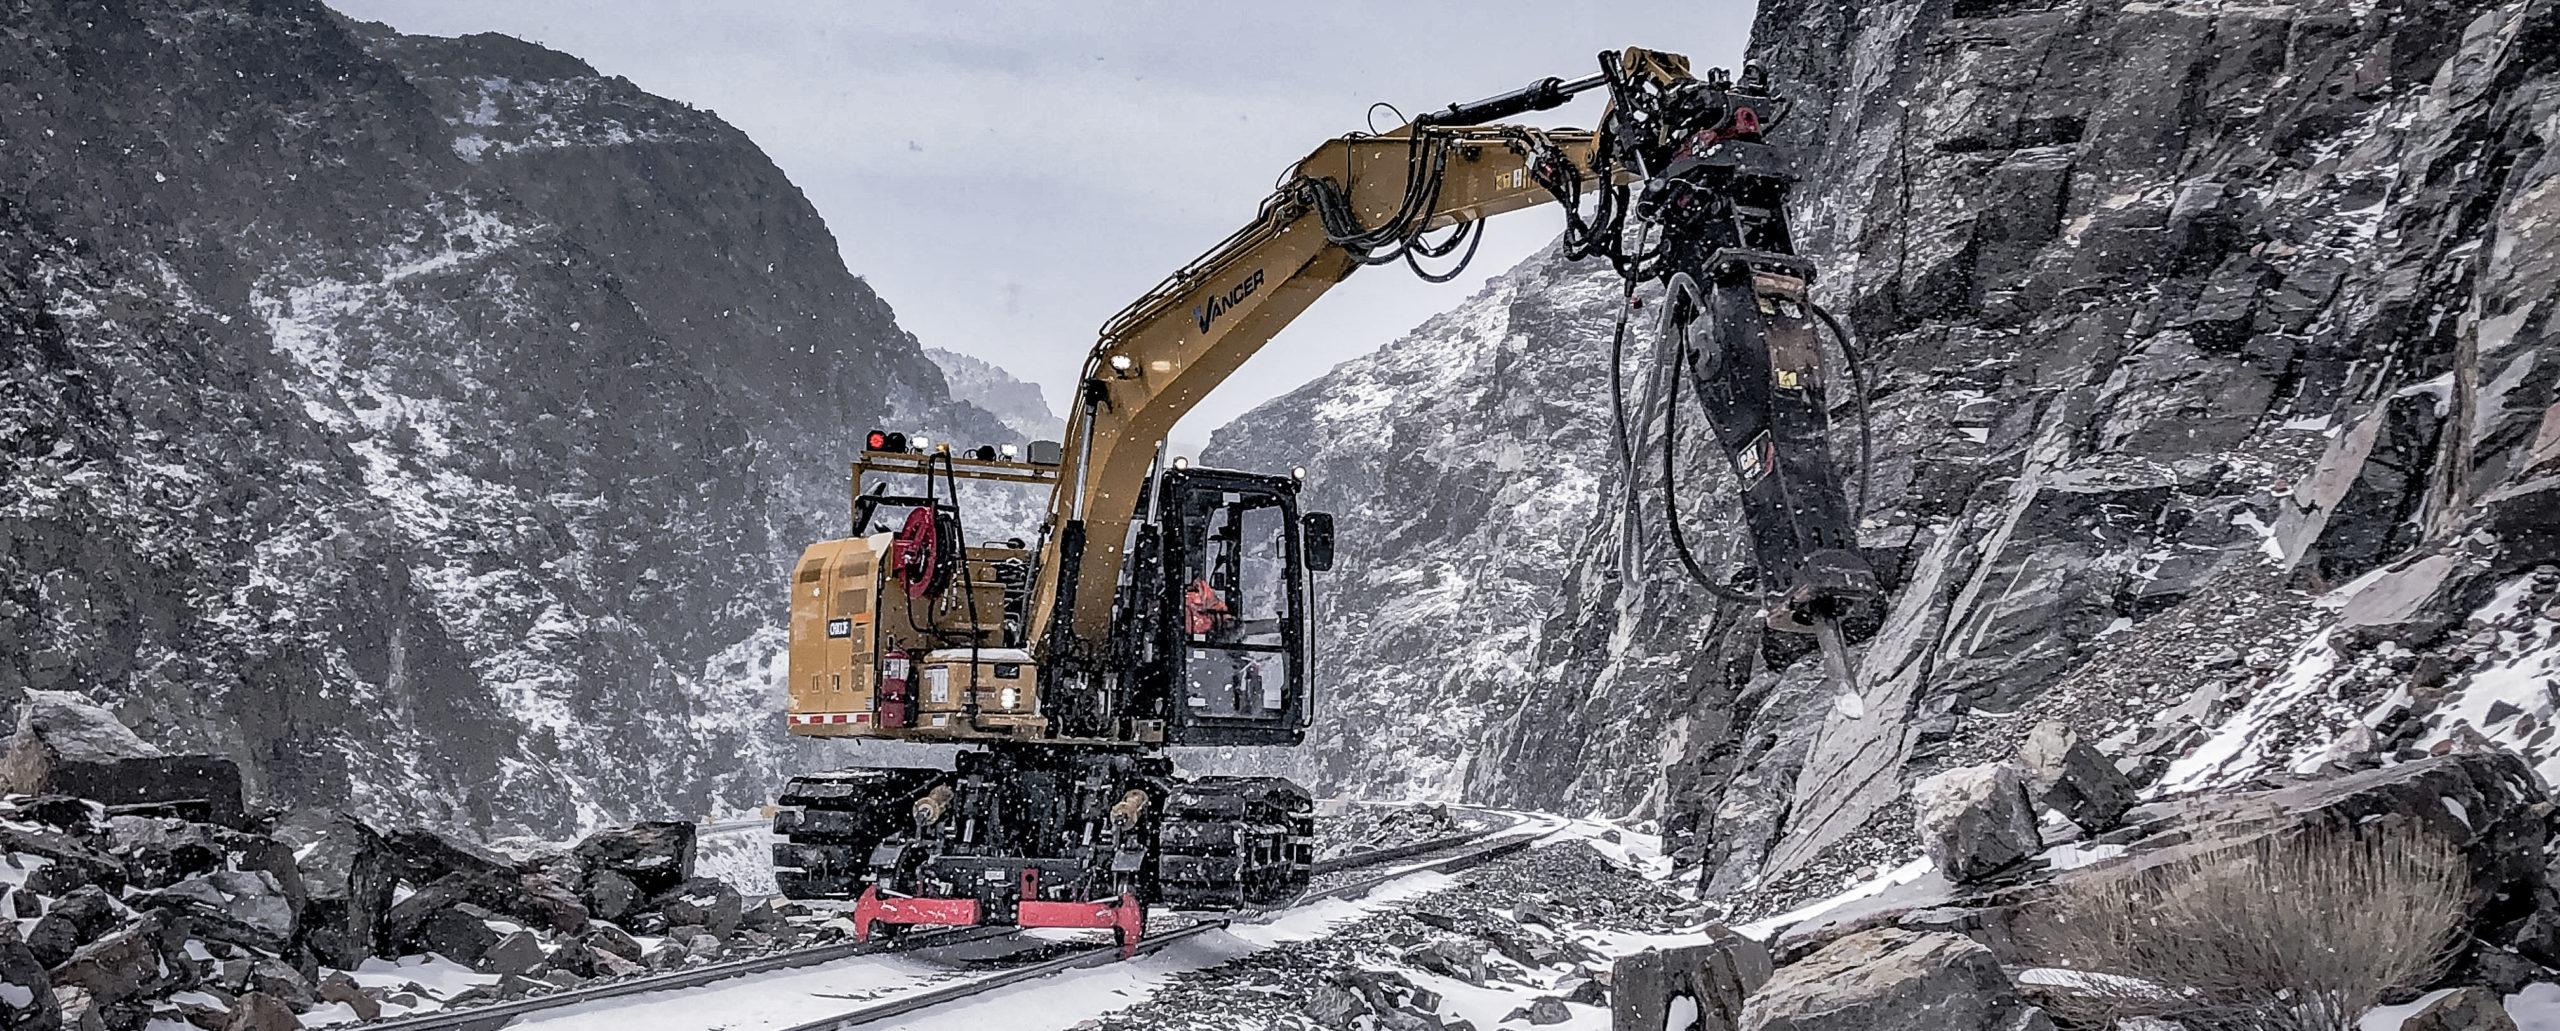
<point>424,423</point>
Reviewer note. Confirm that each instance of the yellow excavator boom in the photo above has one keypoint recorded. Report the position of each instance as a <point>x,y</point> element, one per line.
<point>1163,354</point>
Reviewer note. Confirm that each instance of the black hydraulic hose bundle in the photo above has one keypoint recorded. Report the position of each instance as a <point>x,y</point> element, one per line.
<point>1400,236</point>
<point>1671,481</point>
<point>1617,380</point>
<point>1671,441</point>
<point>1856,362</point>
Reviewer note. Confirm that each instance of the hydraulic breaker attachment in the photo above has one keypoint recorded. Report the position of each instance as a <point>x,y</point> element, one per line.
<point>1760,375</point>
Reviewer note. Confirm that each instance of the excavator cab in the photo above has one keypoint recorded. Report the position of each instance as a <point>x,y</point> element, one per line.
<point>1225,622</point>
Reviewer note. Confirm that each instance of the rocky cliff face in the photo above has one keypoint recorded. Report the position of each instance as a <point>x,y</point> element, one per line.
<point>2190,327</point>
<point>981,383</point>
<point>426,422</point>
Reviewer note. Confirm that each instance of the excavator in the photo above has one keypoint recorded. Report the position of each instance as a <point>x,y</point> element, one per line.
<point>1167,605</point>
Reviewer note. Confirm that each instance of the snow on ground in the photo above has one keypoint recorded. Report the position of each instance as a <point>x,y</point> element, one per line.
<point>2509,695</point>
<point>1767,929</point>
<point>2505,693</point>
<point>2242,746</point>
<point>2536,1008</point>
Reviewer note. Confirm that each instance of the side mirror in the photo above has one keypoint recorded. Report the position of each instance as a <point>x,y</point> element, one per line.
<point>1317,530</point>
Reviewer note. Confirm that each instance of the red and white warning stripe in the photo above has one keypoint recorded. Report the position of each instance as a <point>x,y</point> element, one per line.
<point>802,718</point>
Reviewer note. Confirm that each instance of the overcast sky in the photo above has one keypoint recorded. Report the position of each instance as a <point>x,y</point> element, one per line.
<point>1007,176</point>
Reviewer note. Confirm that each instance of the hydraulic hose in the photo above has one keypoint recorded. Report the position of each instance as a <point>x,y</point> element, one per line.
<point>1677,330</point>
<point>968,586</point>
<point>1850,357</point>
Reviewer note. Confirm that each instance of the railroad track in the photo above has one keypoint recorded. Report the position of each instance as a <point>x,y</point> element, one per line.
<point>499,1014</point>
<point>1464,850</point>
<point>1473,850</point>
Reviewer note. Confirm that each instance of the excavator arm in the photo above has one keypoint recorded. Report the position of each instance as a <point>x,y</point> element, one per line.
<point>1163,354</point>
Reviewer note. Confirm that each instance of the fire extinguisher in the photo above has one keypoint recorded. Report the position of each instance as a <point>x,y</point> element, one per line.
<point>897,700</point>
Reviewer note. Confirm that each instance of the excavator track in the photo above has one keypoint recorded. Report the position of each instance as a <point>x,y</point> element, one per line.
<point>1213,843</point>
<point>1235,843</point>
<point>829,823</point>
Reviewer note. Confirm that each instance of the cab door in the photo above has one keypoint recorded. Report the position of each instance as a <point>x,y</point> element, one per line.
<point>1235,595</point>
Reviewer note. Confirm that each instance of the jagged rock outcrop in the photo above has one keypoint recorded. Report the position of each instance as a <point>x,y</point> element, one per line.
<point>2265,229</point>
<point>1891,979</point>
<point>423,422</point>
<point>2168,309</point>
<point>979,382</point>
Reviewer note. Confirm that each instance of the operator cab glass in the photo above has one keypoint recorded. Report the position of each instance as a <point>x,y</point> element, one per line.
<point>1237,591</point>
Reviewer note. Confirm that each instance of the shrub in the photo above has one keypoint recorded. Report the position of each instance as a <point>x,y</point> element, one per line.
<point>2301,931</point>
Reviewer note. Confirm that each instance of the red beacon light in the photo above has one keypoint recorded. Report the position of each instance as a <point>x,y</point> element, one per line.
<point>882,440</point>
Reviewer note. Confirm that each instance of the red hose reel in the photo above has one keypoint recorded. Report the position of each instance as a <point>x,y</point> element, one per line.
<point>925,551</point>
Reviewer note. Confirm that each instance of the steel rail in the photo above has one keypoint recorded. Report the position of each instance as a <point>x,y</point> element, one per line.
<point>479,1018</point>
<point>1096,955</point>
<point>1497,843</point>
<point>1494,845</point>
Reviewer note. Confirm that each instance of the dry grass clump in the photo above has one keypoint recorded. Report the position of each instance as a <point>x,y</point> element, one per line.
<point>2292,932</point>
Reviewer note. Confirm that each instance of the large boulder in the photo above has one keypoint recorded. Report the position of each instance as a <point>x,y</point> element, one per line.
<point>283,981</point>
<point>259,1011</point>
<point>1890,979</point>
<point>68,863</point>
<point>2073,779</point>
<point>243,907</point>
<point>611,895</point>
<point>421,855</point>
<point>69,745</point>
<point>347,874</point>
<point>159,851</point>
<point>707,901</point>
<point>614,940</point>
<point>1710,980</point>
<point>655,856</point>
<point>338,987</point>
<point>539,900</point>
<point>2525,517</point>
<point>1976,821</point>
<point>517,952</point>
<point>121,966</point>
<point>461,933</point>
<point>401,923</point>
<point>74,920</point>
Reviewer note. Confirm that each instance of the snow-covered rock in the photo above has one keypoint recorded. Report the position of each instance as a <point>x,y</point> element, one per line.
<point>979,382</point>
<point>427,423</point>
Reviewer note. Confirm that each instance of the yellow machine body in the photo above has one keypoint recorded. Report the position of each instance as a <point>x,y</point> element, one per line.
<point>850,613</point>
